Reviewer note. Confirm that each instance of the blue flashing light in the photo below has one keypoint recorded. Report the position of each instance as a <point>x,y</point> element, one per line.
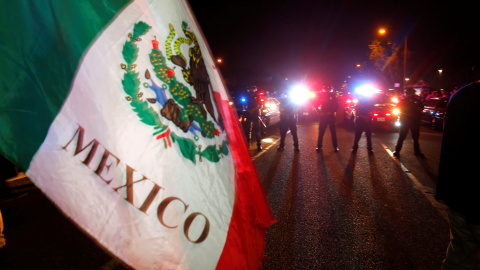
<point>367,90</point>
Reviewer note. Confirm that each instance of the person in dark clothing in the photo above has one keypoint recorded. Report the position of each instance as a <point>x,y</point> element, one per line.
<point>363,122</point>
<point>410,114</point>
<point>253,111</point>
<point>328,109</point>
<point>458,182</point>
<point>288,120</point>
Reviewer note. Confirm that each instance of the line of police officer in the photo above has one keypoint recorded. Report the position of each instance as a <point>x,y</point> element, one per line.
<point>410,114</point>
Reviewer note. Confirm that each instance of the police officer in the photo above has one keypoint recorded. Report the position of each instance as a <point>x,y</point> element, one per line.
<point>363,122</point>
<point>410,114</point>
<point>253,112</point>
<point>328,109</point>
<point>288,120</point>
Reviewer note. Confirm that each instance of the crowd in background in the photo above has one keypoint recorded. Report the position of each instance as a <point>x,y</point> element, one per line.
<point>428,94</point>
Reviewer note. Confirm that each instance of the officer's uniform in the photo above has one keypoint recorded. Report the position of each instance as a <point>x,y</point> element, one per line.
<point>253,110</point>
<point>363,122</point>
<point>328,108</point>
<point>288,121</point>
<point>410,114</point>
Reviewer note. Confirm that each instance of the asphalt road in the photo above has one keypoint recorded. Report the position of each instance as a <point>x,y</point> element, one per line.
<point>333,210</point>
<point>353,211</point>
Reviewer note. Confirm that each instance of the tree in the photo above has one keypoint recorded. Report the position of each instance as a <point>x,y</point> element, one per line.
<point>386,60</point>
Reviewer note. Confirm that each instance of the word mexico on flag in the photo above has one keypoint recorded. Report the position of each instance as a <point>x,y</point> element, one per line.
<point>116,111</point>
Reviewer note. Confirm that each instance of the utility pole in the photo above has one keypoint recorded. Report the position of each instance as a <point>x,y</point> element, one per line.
<point>404,64</point>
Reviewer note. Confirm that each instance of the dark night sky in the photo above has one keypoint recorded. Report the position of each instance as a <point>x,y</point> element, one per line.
<point>324,40</point>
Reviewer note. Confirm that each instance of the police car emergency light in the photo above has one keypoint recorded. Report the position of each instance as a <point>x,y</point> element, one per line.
<point>299,94</point>
<point>367,90</point>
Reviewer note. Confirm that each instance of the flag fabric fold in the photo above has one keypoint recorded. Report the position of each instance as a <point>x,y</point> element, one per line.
<point>116,111</point>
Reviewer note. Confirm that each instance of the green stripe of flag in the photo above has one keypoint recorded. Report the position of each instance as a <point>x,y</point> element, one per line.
<point>41,45</point>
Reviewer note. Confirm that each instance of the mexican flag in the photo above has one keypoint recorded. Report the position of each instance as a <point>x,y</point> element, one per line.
<point>116,111</point>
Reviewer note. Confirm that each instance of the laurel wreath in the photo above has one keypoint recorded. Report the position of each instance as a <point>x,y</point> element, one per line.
<point>131,81</point>
<point>131,85</point>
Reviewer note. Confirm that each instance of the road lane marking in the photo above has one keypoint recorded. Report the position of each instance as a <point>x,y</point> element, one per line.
<point>428,192</point>
<point>264,149</point>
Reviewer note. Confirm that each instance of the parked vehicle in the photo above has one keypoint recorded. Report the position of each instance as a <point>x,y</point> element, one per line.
<point>434,112</point>
<point>385,113</point>
<point>271,111</point>
<point>308,111</point>
<point>269,116</point>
